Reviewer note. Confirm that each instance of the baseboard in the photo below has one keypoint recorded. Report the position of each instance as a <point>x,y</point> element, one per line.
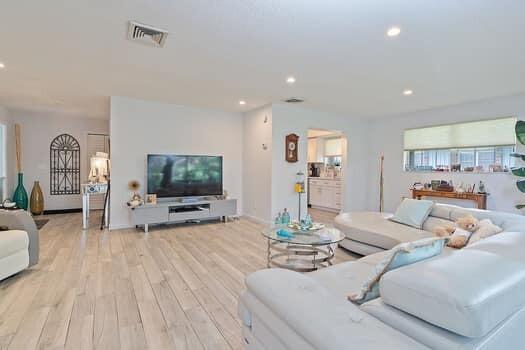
<point>62,211</point>
<point>120,226</point>
<point>255,219</point>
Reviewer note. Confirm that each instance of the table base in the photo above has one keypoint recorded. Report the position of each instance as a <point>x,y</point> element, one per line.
<point>300,258</point>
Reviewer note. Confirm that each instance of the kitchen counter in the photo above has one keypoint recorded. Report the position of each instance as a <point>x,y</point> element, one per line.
<point>324,178</point>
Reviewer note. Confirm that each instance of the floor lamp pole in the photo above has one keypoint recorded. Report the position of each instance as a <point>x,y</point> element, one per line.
<point>299,218</point>
<point>381,184</point>
<point>105,212</point>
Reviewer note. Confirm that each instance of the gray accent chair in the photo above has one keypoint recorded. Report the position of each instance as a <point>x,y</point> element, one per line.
<point>23,221</point>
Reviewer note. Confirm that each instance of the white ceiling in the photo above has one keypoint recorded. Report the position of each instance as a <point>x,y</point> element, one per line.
<point>312,133</point>
<point>72,55</point>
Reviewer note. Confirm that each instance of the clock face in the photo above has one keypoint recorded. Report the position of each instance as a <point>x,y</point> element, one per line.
<point>291,146</point>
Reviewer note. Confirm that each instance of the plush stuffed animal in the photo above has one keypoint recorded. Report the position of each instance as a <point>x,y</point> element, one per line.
<point>459,236</point>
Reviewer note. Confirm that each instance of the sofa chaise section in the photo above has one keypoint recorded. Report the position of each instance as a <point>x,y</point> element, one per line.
<point>371,232</point>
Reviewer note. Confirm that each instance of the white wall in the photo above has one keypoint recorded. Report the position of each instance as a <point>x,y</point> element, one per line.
<point>5,120</point>
<point>257,163</point>
<point>140,127</point>
<point>386,135</point>
<point>288,119</point>
<point>38,129</point>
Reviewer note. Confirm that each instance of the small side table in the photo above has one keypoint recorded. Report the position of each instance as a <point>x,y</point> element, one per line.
<point>87,190</point>
<point>305,251</point>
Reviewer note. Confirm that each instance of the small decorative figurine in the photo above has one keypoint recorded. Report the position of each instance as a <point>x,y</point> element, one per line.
<point>481,188</point>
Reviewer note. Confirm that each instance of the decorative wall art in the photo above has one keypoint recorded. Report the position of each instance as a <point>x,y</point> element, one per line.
<point>64,158</point>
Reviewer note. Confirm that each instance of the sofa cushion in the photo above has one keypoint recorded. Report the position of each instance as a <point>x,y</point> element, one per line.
<point>432,222</point>
<point>506,335</point>
<point>468,292</point>
<point>442,211</point>
<point>343,278</point>
<point>374,229</point>
<point>485,230</point>
<point>12,241</point>
<point>507,221</point>
<point>412,212</point>
<point>508,244</point>
<point>325,321</point>
<point>401,255</point>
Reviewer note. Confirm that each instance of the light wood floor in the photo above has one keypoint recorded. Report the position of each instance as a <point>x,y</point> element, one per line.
<point>175,288</point>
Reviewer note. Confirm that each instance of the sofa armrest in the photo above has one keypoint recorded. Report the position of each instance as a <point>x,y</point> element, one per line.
<point>22,220</point>
<point>324,320</point>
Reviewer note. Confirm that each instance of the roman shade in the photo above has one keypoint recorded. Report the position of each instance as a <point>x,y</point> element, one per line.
<point>333,147</point>
<point>485,133</point>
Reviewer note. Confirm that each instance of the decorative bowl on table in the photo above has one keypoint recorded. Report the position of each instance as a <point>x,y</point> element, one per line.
<point>301,226</point>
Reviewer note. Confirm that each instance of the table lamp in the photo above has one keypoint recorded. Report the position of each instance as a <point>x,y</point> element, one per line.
<point>99,168</point>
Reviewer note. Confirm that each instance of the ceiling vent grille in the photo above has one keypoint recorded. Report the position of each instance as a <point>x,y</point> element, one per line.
<point>294,100</point>
<point>147,34</point>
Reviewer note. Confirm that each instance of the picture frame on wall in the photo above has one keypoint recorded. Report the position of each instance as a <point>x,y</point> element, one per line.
<point>151,198</point>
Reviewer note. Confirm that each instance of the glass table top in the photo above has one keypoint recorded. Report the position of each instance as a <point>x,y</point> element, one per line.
<point>323,236</point>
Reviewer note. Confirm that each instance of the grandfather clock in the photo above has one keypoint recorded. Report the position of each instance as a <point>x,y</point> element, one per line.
<point>291,148</point>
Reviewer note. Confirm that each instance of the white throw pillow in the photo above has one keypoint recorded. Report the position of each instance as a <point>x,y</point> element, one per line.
<point>485,229</point>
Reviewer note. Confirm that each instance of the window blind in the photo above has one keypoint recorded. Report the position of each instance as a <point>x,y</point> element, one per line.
<point>333,147</point>
<point>495,132</point>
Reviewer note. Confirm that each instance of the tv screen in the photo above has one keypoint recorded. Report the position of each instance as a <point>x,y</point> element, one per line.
<point>182,176</point>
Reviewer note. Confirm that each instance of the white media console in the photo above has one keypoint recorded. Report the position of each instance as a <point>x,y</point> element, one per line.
<point>183,211</point>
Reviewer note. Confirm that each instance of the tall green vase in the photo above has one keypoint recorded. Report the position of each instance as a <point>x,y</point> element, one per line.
<point>20,195</point>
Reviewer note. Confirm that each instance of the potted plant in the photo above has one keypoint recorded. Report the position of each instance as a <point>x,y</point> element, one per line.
<point>520,171</point>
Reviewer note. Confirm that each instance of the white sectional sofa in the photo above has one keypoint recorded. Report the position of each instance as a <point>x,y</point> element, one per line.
<point>473,298</point>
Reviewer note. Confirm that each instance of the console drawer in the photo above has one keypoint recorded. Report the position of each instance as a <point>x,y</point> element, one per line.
<point>189,215</point>
<point>149,215</point>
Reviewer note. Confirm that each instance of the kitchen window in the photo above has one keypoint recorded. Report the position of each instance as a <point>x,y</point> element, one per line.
<point>483,146</point>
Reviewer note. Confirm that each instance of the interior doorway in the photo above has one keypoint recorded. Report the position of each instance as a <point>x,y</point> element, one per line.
<point>326,164</point>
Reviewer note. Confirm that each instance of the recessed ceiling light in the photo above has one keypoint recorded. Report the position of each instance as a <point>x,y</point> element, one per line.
<point>2,65</point>
<point>408,92</point>
<point>394,31</point>
<point>290,80</point>
<point>242,102</point>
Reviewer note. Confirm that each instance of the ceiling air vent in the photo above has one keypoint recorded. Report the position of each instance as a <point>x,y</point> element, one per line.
<point>294,100</point>
<point>146,34</point>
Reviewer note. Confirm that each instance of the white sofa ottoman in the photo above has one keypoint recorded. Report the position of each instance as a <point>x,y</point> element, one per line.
<point>14,252</point>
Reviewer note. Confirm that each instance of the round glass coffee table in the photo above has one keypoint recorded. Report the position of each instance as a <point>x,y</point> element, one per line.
<point>303,252</point>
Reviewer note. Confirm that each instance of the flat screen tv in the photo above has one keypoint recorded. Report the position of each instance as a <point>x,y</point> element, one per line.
<point>184,176</point>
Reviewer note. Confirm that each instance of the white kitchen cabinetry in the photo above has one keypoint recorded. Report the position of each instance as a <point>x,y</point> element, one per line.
<point>316,150</point>
<point>325,193</point>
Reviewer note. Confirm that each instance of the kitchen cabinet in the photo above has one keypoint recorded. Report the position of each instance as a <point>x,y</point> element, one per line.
<point>316,150</point>
<point>325,193</point>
